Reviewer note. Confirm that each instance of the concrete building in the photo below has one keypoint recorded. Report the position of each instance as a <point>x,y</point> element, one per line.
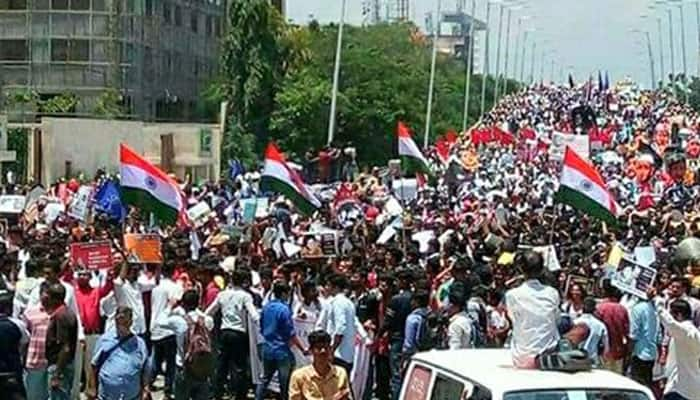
<point>60,147</point>
<point>158,54</point>
<point>454,39</point>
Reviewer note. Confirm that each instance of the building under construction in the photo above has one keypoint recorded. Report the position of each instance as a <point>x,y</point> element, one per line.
<point>158,54</point>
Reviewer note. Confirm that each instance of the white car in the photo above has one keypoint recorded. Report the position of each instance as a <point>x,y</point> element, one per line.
<point>489,374</point>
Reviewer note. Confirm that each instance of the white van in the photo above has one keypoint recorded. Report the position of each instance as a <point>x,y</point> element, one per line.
<point>489,374</point>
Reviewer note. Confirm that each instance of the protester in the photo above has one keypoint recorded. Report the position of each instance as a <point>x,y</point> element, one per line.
<point>14,337</point>
<point>459,332</point>
<point>61,342</point>
<point>322,380</point>
<point>36,320</point>
<point>120,362</point>
<point>341,323</point>
<point>616,320</point>
<point>597,344</point>
<point>643,341</point>
<point>195,357</point>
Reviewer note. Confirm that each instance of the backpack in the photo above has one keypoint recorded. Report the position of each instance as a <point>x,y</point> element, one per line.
<point>199,358</point>
<point>477,335</point>
<point>429,334</point>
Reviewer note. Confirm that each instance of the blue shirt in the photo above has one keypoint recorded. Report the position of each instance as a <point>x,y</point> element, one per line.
<point>644,329</point>
<point>341,321</point>
<point>120,375</point>
<point>277,329</point>
<point>412,331</point>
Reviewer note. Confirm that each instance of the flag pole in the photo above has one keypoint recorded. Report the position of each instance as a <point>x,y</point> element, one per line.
<point>336,74</point>
<point>470,57</point>
<point>431,86</point>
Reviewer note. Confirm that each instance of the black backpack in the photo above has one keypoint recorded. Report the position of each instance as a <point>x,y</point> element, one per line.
<point>430,335</point>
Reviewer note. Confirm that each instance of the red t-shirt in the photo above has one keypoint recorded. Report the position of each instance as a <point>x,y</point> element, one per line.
<point>616,319</point>
<point>88,301</point>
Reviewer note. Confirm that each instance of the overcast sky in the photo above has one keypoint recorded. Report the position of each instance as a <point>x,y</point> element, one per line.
<point>587,35</point>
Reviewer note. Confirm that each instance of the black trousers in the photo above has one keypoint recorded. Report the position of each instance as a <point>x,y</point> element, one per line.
<point>164,351</point>
<point>642,371</point>
<point>383,376</point>
<point>233,363</point>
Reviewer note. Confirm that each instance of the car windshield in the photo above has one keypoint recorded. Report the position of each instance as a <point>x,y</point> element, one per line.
<point>582,394</point>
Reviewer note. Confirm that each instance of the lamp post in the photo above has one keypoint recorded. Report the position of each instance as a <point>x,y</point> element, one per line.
<point>516,7</point>
<point>336,74</point>
<point>485,73</point>
<point>498,51</point>
<point>470,56</point>
<point>431,85</point>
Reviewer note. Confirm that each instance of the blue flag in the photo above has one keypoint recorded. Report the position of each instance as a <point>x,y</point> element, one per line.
<point>235,169</point>
<point>108,201</point>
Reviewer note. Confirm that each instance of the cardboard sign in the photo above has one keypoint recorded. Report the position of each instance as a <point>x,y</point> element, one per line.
<point>199,213</point>
<point>578,143</point>
<point>585,283</point>
<point>329,243</point>
<point>633,278</point>
<point>405,189</point>
<point>12,204</point>
<point>80,204</point>
<point>96,255</point>
<point>143,249</point>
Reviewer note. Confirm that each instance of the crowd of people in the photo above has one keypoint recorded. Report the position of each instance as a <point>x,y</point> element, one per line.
<point>483,255</point>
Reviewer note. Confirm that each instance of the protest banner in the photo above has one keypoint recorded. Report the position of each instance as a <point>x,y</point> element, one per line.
<point>80,204</point>
<point>578,143</point>
<point>586,284</point>
<point>12,204</point>
<point>143,248</point>
<point>633,278</point>
<point>199,213</point>
<point>95,255</point>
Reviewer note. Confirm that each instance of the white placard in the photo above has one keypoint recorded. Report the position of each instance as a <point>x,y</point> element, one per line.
<point>633,278</point>
<point>80,204</point>
<point>578,143</point>
<point>12,204</point>
<point>199,213</point>
<point>405,189</point>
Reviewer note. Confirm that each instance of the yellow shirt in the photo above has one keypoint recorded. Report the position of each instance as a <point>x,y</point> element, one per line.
<point>307,384</point>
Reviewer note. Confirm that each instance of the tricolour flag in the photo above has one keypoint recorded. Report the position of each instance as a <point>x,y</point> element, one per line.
<point>411,156</point>
<point>148,188</point>
<point>582,187</point>
<point>279,177</point>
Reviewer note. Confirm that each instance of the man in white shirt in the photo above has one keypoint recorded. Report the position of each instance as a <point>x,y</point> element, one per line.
<point>128,292</point>
<point>179,320</point>
<point>163,338</point>
<point>459,331</point>
<point>597,342</point>
<point>683,352</point>
<point>341,323</point>
<point>534,309</point>
<point>236,305</point>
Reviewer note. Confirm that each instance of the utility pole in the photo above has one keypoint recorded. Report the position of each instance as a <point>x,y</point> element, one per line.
<point>505,62</point>
<point>532,65</point>
<point>470,57</point>
<point>522,58</point>
<point>336,74</point>
<point>431,86</point>
<point>485,73</point>
<point>498,54</point>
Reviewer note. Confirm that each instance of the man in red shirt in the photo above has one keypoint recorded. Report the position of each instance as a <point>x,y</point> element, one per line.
<point>616,319</point>
<point>88,299</point>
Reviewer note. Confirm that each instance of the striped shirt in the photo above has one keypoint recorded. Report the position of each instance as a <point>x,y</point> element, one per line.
<point>37,321</point>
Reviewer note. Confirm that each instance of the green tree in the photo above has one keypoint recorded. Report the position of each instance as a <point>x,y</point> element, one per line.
<point>384,78</point>
<point>258,50</point>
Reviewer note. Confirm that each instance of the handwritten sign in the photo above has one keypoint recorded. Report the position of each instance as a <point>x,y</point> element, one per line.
<point>80,204</point>
<point>199,213</point>
<point>143,249</point>
<point>578,143</point>
<point>96,255</point>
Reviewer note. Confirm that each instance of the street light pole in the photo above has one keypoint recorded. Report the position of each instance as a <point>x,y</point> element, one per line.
<point>522,58</point>
<point>517,48</point>
<point>661,52</point>
<point>697,19</point>
<point>670,39</point>
<point>484,75</point>
<point>470,57</point>
<point>683,48</point>
<point>651,60</point>
<point>498,53</point>
<point>336,74</point>
<point>505,62</point>
<point>532,64</point>
<point>431,85</point>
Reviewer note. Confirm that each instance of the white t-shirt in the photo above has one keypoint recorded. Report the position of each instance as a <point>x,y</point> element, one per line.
<point>128,294</point>
<point>534,310</point>
<point>683,356</point>
<point>161,294</point>
<point>459,332</point>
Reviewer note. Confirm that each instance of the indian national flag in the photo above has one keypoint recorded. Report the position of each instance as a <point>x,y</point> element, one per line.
<point>279,177</point>
<point>148,188</point>
<point>411,156</point>
<point>582,187</point>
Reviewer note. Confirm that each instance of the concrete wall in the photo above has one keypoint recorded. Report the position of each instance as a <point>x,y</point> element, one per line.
<point>91,144</point>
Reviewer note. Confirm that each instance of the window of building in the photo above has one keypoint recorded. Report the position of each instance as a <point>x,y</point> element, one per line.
<point>210,26</point>
<point>75,50</point>
<point>166,13</point>
<point>99,5</point>
<point>217,27</point>
<point>194,21</point>
<point>13,4</point>
<point>178,16</point>
<point>99,51</point>
<point>59,4</point>
<point>59,50</point>
<point>130,6</point>
<point>42,4</point>
<point>149,7</point>
<point>13,50</point>
<point>80,4</point>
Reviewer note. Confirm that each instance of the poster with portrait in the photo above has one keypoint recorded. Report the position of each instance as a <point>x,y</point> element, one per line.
<point>633,278</point>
